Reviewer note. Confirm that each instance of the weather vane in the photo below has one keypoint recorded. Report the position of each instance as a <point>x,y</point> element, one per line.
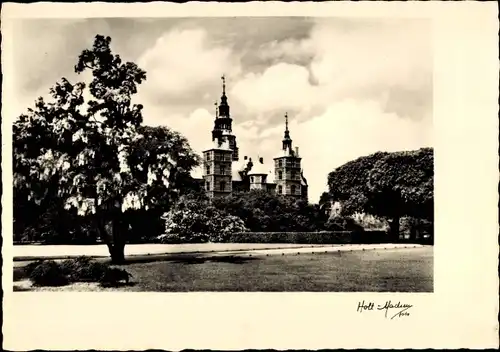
<point>223,84</point>
<point>286,120</point>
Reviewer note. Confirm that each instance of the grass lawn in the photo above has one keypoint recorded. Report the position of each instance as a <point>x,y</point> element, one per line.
<point>393,270</point>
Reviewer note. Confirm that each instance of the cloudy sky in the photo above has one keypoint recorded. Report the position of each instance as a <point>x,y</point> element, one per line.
<point>350,87</point>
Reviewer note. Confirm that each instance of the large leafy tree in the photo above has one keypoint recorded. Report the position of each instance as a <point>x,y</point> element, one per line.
<point>388,185</point>
<point>90,154</point>
<point>157,141</point>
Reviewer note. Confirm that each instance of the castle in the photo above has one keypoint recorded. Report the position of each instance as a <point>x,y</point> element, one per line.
<point>225,174</point>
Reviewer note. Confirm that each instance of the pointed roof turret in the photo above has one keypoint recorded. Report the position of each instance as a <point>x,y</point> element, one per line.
<point>224,106</point>
<point>287,141</point>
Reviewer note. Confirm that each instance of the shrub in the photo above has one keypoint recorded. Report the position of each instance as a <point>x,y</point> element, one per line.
<point>323,237</point>
<point>418,230</point>
<point>83,269</point>
<point>48,273</point>
<point>262,211</point>
<point>24,272</point>
<point>335,224</point>
<point>28,269</point>
<point>370,222</point>
<point>192,222</point>
<point>370,236</point>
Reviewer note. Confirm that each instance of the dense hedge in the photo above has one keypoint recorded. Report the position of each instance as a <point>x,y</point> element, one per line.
<point>323,237</point>
<point>331,237</point>
<point>371,236</point>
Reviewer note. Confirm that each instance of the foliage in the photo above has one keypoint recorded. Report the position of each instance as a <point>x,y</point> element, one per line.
<point>323,237</point>
<point>325,204</point>
<point>48,273</point>
<point>341,223</point>
<point>28,269</point>
<point>415,229</point>
<point>96,157</point>
<point>406,179</point>
<point>192,220</point>
<point>262,212</point>
<point>81,269</point>
<point>48,222</point>
<point>387,185</point>
<point>369,222</point>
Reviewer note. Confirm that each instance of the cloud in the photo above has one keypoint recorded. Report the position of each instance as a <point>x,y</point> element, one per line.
<point>375,60</point>
<point>183,62</point>
<point>279,87</point>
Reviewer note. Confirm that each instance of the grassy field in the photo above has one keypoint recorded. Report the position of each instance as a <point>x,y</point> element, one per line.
<point>392,270</point>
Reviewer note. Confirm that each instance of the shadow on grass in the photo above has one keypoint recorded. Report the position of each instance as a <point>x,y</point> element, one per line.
<point>17,288</point>
<point>118,284</point>
<point>219,259</point>
<point>191,259</point>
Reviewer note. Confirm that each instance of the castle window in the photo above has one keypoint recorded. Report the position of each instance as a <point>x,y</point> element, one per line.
<point>280,163</point>
<point>208,169</point>
<point>208,186</point>
<point>208,156</point>
<point>294,175</point>
<point>222,186</point>
<point>222,170</point>
<point>280,175</point>
<point>251,179</point>
<point>293,189</point>
<point>280,190</point>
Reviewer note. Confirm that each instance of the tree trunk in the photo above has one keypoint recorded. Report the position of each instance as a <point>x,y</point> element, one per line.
<point>112,234</point>
<point>414,229</point>
<point>394,229</point>
<point>117,248</point>
<point>117,252</point>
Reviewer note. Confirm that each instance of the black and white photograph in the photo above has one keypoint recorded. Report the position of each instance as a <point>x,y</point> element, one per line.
<point>223,154</point>
<point>227,154</point>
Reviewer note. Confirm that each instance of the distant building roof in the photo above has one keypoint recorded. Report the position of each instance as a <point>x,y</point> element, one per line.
<point>287,152</point>
<point>303,180</point>
<point>259,168</point>
<point>215,145</point>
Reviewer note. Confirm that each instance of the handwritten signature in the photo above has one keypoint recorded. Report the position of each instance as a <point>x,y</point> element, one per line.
<point>402,308</point>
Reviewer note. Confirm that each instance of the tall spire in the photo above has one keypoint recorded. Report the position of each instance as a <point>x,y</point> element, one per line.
<point>224,106</point>
<point>287,141</point>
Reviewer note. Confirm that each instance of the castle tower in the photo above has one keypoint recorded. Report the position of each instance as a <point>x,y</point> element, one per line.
<point>217,160</point>
<point>287,169</point>
<point>217,172</point>
<point>222,130</point>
